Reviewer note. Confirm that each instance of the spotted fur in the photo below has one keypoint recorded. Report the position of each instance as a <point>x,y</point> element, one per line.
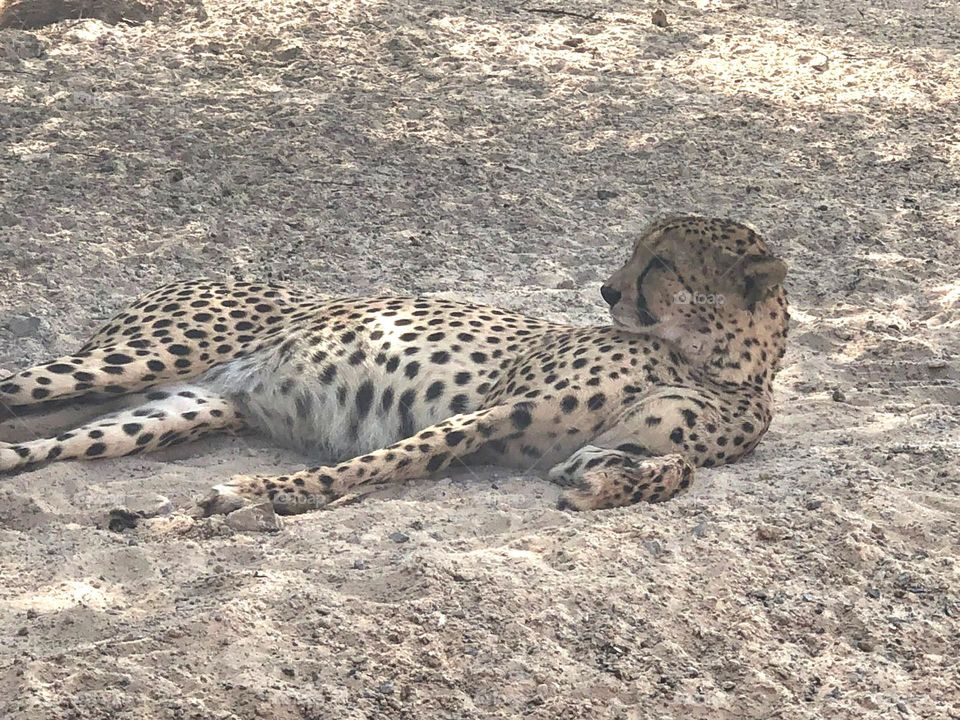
<point>386,389</point>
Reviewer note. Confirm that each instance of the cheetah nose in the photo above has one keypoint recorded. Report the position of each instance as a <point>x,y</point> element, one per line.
<point>610,295</point>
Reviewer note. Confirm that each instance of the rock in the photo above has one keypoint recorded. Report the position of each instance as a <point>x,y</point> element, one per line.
<point>659,18</point>
<point>31,14</point>
<point>399,537</point>
<point>567,284</point>
<point>288,54</point>
<point>771,533</point>
<point>21,45</point>
<point>604,194</point>
<point>254,518</point>
<point>136,508</point>
<point>653,547</point>
<point>838,395</point>
<point>23,326</point>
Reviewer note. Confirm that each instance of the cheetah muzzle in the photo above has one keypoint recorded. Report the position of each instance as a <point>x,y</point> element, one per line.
<point>393,388</point>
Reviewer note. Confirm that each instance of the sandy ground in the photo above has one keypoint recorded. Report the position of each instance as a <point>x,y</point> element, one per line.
<point>509,155</point>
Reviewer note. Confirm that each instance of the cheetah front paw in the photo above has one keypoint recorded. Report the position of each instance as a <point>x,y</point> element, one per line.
<point>289,494</point>
<point>232,495</point>
<point>653,480</point>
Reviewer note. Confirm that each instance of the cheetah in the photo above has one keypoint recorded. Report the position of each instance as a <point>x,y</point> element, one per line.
<point>387,389</point>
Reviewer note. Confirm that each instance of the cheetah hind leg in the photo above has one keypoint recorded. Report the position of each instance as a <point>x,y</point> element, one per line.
<point>600,478</point>
<point>170,416</point>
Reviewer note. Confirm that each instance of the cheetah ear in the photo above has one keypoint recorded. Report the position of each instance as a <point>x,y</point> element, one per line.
<point>762,275</point>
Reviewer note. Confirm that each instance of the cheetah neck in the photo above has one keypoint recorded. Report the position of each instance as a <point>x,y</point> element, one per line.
<point>750,356</point>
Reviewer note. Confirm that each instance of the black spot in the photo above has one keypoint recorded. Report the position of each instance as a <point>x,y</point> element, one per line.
<point>435,390</point>
<point>118,359</point>
<point>405,402</point>
<point>437,461</point>
<point>520,416</point>
<point>387,400</point>
<point>96,449</point>
<point>176,349</point>
<point>690,416</point>
<point>132,429</point>
<point>441,357</point>
<point>95,434</point>
<point>412,369</point>
<point>144,439</point>
<point>357,357</point>
<point>459,404</point>
<point>192,415</point>
<point>596,401</point>
<point>633,449</point>
<point>568,404</point>
<point>455,437</point>
<point>364,398</point>
<point>60,368</point>
<point>747,427</point>
<point>329,373</point>
<point>478,357</point>
<point>157,395</point>
<point>155,366</point>
<point>81,376</point>
<point>462,378</point>
<point>9,388</point>
<point>677,435</point>
<point>652,421</point>
<point>39,393</point>
<point>392,364</point>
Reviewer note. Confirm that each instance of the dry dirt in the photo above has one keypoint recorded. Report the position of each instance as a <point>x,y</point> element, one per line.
<point>502,152</point>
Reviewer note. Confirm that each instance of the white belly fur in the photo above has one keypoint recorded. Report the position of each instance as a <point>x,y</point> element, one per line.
<point>282,393</point>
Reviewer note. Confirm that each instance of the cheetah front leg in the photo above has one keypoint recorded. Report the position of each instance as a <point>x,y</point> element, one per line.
<point>427,452</point>
<point>649,455</point>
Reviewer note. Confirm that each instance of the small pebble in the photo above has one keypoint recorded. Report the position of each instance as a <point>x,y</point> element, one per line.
<point>399,537</point>
<point>838,395</point>
<point>659,18</point>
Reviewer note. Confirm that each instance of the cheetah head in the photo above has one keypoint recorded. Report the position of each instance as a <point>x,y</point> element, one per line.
<point>709,287</point>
